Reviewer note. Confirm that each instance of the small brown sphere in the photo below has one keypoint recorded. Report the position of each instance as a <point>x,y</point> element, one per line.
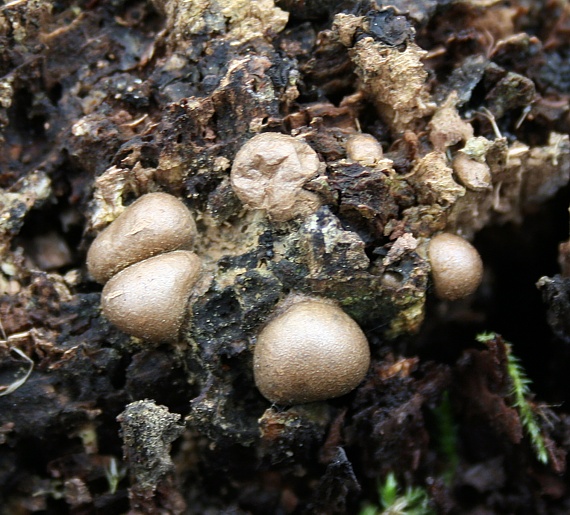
<point>270,171</point>
<point>310,352</point>
<point>364,149</point>
<point>471,173</point>
<point>456,266</point>
<point>153,224</point>
<point>148,299</point>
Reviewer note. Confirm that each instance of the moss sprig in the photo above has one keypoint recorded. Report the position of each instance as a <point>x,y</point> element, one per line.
<point>521,392</point>
<point>414,500</point>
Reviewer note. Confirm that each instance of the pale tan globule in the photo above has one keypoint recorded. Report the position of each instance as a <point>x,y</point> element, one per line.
<point>270,171</point>
<point>473,174</point>
<point>312,351</point>
<point>153,224</point>
<point>364,149</point>
<point>456,266</point>
<point>149,299</point>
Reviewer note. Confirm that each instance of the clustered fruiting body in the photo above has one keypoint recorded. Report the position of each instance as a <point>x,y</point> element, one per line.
<point>311,351</point>
<point>148,279</point>
<point>456,266</point>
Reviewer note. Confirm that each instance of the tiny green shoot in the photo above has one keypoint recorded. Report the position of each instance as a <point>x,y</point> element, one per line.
<point>114,475</point>
<point>413,501</point>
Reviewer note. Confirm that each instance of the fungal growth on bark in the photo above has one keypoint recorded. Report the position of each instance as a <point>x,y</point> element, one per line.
<point>456,266</point>
<point>320,145</point>
<point>148,299</point>
<point>310,351</point>
<point>364,149</point>
<point>153,224</point>
<point>270,171</point>
<point>474,175</point>
<point>148,272</point>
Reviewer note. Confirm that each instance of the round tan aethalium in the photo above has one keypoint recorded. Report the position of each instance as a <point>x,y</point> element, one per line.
<point>364,149</point>
<point>270,171</point>
<point>311,351</point>
<point>473,174</point>
<point>153,224</point>
<point>456,266</point>
<point>149,299</point>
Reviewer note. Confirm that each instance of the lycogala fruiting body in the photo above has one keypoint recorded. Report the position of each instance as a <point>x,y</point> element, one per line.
<point>153,224</point>
<point>311,351</point>
<point>456,266</point>
<point>149,299</point>
<point>364,149</point>
<point>270,171</point>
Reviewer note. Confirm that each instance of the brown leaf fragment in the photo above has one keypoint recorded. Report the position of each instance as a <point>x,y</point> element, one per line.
<point>387,422</point>
<point>482,386</point>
